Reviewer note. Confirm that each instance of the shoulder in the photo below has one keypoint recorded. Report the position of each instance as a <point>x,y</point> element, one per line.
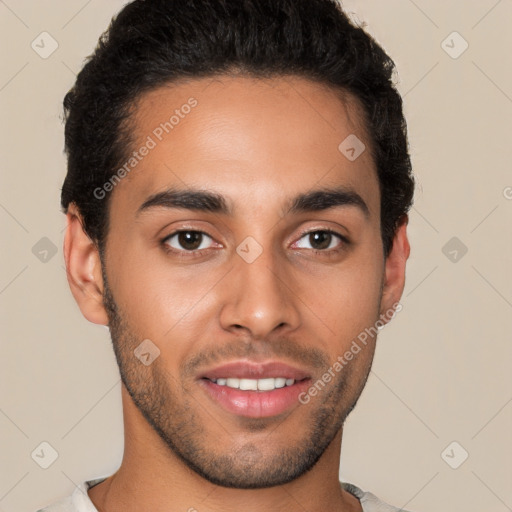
<point>63,505</point>
<point>79,501</point>
<point>369,501</point>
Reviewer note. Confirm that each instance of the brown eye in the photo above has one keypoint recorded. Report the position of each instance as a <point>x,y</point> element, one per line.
<point>320,239</point>
<point>187,240</point>
<point>323,240</point>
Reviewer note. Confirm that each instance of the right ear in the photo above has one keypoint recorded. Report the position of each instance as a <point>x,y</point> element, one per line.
<point>83,269</point>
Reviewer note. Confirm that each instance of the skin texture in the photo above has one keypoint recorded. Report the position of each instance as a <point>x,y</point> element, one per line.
<point>258,143</point>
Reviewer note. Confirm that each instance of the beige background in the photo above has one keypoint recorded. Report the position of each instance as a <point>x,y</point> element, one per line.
<point>442,371</point>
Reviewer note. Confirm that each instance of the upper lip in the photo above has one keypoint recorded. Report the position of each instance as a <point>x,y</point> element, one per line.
<point>251,370</point>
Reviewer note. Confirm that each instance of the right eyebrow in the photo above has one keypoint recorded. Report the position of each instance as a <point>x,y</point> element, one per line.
<point>190,199</point>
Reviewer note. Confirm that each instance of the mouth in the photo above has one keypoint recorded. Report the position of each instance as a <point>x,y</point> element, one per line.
<point>255,390</point>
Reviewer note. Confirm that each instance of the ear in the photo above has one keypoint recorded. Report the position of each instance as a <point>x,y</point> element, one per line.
<point>394,275</point>
<point>83,269</point>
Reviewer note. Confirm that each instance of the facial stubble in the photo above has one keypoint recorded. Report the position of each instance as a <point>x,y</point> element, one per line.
<point>174,414</point>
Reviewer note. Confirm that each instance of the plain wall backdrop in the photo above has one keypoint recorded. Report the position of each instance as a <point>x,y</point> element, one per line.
<point>441,385</point>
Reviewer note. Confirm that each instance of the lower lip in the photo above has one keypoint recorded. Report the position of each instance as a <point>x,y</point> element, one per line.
<point>255,404</point>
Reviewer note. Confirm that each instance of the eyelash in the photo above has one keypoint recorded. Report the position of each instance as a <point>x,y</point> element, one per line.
<point>198,253</point>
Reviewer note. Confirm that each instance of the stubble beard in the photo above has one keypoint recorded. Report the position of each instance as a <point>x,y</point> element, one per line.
<point>173,413</point>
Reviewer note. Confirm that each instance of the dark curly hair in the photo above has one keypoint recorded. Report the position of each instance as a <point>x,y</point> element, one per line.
<point>154,42</point>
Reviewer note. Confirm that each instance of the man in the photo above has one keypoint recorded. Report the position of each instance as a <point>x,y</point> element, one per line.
<point>237,194</point>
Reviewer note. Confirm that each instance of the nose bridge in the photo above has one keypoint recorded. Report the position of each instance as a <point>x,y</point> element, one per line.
<point>259,298</point>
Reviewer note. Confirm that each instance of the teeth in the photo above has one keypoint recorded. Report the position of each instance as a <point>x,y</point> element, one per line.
<point>248,384</point>
<point>266,384</point>
<point>255,384</point>
<point>233,383</point>
<point>280,383</point>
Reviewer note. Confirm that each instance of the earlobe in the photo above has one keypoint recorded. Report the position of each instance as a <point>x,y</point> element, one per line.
<point>83,269</point>
<point>394,278</point>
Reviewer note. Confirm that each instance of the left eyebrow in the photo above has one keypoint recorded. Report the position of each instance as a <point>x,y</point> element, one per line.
<point>326,198</point>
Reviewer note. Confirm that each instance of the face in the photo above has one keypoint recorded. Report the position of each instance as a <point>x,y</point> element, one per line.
<point>245,248</point>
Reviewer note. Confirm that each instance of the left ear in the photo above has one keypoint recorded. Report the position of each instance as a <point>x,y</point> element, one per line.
<point>394,278</point>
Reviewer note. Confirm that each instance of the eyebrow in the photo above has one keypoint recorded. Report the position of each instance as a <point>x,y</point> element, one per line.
<point>207,201</point>
<point>326,198</point>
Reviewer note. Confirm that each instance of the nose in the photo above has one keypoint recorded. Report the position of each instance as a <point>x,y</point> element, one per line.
<point>259,297</point>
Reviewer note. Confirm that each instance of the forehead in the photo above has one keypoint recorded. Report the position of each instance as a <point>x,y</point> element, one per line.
<point>246,138</point>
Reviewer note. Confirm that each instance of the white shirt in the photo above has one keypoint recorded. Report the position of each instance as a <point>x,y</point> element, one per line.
<point>79,501</point>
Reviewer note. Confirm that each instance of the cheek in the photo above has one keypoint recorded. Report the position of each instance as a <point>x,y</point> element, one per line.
<point>347,297</point>
<point>158,299</point>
